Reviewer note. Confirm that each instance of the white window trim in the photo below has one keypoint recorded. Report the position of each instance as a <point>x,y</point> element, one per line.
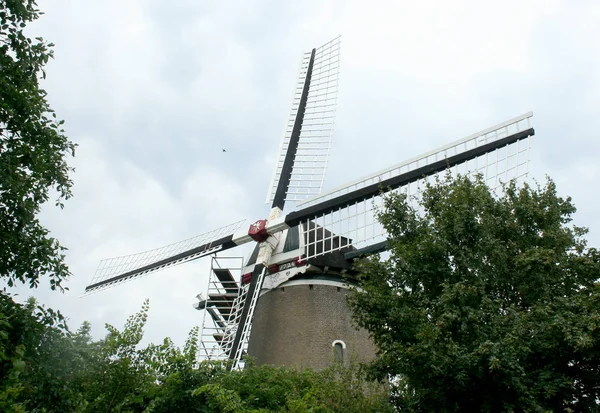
<point>338,342</point>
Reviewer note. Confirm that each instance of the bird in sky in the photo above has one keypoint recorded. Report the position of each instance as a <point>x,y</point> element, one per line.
<point>223,150</point>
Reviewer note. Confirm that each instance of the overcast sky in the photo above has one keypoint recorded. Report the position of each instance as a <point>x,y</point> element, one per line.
<point>151,91</point>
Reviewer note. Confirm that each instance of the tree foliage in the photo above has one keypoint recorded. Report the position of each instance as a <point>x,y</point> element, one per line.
<point>45,367</point>
<point>486,303</point>
<point>32,349</point>
<point>33,148</point>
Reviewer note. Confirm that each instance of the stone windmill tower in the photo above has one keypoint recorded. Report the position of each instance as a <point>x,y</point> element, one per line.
<point>285,304</point>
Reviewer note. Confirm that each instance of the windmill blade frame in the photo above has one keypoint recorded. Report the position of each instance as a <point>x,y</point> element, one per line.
<point>328,219</point>
<point>116,270</point>
<point>300,169</point>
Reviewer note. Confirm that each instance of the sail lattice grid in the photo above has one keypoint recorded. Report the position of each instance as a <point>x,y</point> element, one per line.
<point>136,264</point>
<point>310,162</point>
<point>355,225</point>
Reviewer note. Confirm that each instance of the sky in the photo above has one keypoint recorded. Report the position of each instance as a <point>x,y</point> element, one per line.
<point>152,91</point>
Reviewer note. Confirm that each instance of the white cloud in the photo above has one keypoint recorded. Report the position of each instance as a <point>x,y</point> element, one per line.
<point>152,91</point>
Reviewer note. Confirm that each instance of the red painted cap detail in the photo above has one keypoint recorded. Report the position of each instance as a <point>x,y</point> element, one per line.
<point>258,231</point>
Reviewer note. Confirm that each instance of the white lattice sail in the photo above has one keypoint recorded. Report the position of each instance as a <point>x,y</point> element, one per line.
<point>314,144</point>
<point>116,270</point>
<point>355,225</point>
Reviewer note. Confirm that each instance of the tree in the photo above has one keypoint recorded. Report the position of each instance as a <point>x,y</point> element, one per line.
<point>33,148</point>
<point>44,367</point>
<point>487,302</point>
<point>212,388</point>
<point>36,357</point>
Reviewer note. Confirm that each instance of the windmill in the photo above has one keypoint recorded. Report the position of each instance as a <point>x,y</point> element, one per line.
<point>285,303</point>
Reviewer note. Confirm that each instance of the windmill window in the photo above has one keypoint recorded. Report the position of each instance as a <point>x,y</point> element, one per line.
<point>292,240</point>
<point>339,350</point>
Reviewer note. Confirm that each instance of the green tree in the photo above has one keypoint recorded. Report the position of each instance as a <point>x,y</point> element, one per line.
<point>33,148</point>
<point>37,359</point>
<point>486,303</point>
<point>211,388</point>
<point>123,377</point>
<point>44,367</point>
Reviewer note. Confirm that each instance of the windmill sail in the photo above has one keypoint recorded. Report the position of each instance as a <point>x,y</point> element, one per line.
<point>499,154</point>
<point>116,270</point>
<point>300,168</point>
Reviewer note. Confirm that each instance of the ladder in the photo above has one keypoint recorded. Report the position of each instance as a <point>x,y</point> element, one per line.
<point>220,304</point>
<point>237,352</point>
<point>224,312</point>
